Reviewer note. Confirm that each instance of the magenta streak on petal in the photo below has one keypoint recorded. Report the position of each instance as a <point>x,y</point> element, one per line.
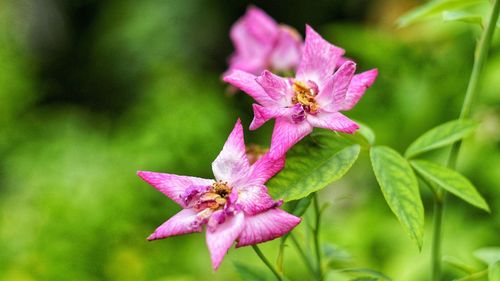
<point>265,168</point>
<point>171,185</point>
<point>286,134</point>
<point>333,94</point>
<point>334,121</point>
<point>275,86</point>
<point>248,84</point>
<point>220,239</point>
<point>182,223</point>
<point>266,226</point>
<point>359,84</point>
<point>254,199</point>
<point>232,164</point>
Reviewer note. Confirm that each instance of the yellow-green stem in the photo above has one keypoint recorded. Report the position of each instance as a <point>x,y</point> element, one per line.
<point>266,262</point>
<point>479,60</point>
<point>317,215</point>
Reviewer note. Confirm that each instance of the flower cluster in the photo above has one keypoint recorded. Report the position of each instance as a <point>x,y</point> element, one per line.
<point>236,205</point>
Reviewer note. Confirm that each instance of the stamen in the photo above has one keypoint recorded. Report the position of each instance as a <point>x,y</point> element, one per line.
<point>305,96</point>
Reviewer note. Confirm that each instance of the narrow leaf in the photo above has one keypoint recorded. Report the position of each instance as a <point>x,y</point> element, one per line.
<point>494,271</point>
<point>313,164</point>
<point>450,180</point>
<point>248,273</point>
<point>433,8</point>
<point>457,263</point>
<point>442,135</point>
<point>462,17</point>
<point>400,188</point>
<point>488,255</point>
<point>368,272</point>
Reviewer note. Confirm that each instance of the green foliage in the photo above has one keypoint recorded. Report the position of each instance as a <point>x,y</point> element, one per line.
<point>488,255</point>
<point>369,273</point>
<point>462,16</point>
<point>313,164</point>
<point>249,273</point>
<point>440,136</point>
<point>451,181</point>
<point>400,188</point>
<point>433,8</point>
<point>494,271</point>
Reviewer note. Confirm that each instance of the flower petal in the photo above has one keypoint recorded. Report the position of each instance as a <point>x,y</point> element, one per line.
<point>253,36</point>
<point>232,163</point>
<point>183,222</point>
<point>265,168</point>
<point>223,236</point>
<point>246,82</point>
<point>334,121</point>
<point>171,185</point>
<point>255,199</point>
<point>275,86</point>
<point>286,133</point>
<point>359,84</point>
<point>285,55</point>
<point>319,58</point>
<point>266,226</point>
<point>263,114</point>
<point>333,94</point>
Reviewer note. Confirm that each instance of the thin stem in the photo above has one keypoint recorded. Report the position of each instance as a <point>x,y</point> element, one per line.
<point>317,215</point>
<point>474,276</point>
<point>266,262</point>
<point>479,61</point>
<point>302,254</point>
<point>436,239</point>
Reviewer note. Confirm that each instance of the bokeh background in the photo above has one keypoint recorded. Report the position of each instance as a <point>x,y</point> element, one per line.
<point>93,90</point>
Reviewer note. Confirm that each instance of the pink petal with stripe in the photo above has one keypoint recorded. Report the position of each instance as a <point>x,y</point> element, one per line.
<point>183,222</point>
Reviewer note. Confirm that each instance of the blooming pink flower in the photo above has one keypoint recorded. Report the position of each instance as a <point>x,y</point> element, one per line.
<point>234,207</point>
<point>313,98</point>
<point>261,43</point>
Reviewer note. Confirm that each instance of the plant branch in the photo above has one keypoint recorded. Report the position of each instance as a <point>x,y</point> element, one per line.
<point>302,254</point>
<point>266,262</point>
<point>480,57</point>
<point>317,215</point>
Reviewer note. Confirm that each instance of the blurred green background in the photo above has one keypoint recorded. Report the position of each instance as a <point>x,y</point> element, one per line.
<point>92,91</point>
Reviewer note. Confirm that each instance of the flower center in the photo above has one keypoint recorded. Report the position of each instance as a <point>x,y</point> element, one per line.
<point>214,198</point>
<point>305,94</point>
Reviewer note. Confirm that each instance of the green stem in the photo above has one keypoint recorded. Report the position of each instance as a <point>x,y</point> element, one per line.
<point>436,239</point>
<point>479,61</point>
<point>302,254</point>
<point>474,276</point>
<point>317,215</point>
<point>266,262</point>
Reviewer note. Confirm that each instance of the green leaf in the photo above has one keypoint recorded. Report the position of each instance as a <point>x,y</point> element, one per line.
<point>248,273</point>
<point>462,17</point>
<point>440,136</point>
<point>313,164</point>
<point>433,8</point>
<point>368,272</point>
<point>489,254</point>
<point>365,278</point>
<point>457,263</point>
<point>400,188</point>
<point>450,180</point>
<point>494,271</point>
<point>300,207</point>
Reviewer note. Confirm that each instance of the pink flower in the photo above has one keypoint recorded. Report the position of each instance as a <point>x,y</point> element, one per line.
<point>234,207</point>
<point>313,98</point>
<point>261,43</point>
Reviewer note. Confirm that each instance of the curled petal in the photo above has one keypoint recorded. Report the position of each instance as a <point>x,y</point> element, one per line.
<point>173,186</point>
<point>183,222</point>
<point>265,168</point>
<point>286,133</point>
<point>266,226</point>
<point>247,83</point>
<point>232,164</point>
<point>319,58</point>
<point>255,199</point>
<point>220,239</point>
<point>359,84</point>
<point>333,94</point>
<point>334,121</point>
<point>275,86</point>
<point>263,114</point>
